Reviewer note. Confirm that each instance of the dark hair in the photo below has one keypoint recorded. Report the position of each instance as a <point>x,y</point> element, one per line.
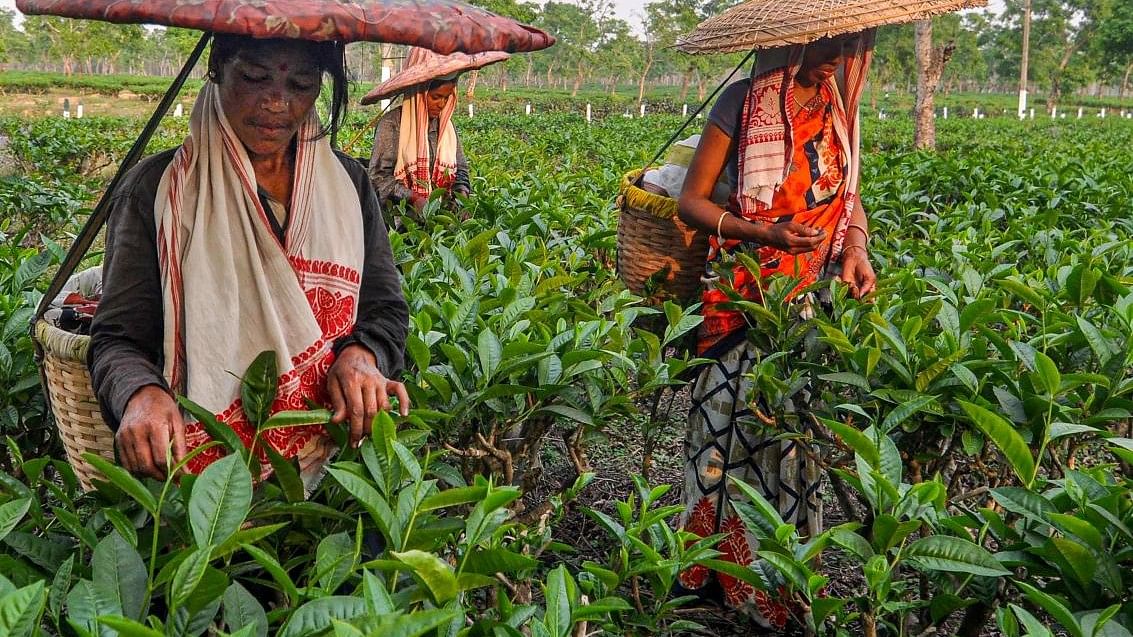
<point>440,81</point>
<point>330,57</point>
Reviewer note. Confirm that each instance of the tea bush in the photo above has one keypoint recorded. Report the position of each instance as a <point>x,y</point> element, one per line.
<point>975,414</point>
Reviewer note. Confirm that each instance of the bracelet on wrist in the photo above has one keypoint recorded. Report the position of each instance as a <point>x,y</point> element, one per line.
<point>720,225</point>
<point>846,250</point>
<point>860,228</point>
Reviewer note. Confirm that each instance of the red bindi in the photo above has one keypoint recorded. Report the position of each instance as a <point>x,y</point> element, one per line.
<point>283,67</point>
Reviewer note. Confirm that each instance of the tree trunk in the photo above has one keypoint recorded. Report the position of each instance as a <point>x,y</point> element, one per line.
<point>578,80</point>
<point>645,75</point>
<point>1124,82</point>
<point>930,66</point>
<point>684,86</point>
<point>470,90</point>
<point>701,87</point>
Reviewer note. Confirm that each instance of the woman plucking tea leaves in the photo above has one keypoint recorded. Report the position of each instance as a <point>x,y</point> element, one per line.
<point>787,142</point>
<point>254,235</point>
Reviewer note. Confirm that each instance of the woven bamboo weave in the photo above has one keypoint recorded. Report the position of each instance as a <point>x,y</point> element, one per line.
<point>73,404</point>
<point>763,24</point>
<point>653,243</point>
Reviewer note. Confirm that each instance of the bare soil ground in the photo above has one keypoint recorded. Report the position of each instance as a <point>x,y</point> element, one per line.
<point>94,105</point>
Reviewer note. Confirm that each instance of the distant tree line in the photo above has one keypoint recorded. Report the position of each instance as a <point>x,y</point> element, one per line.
<point>1077,46</point>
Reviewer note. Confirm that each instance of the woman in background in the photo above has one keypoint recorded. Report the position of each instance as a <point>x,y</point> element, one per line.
<point>416,147</point>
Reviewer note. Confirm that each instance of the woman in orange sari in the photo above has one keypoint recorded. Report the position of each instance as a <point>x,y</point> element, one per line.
<point>787,141</point>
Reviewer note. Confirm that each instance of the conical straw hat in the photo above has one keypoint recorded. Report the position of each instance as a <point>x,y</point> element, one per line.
<point>764,24</point>
<point>424,65</point>
<point>441,25</point>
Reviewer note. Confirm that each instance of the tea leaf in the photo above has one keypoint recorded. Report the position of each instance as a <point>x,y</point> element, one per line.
<point>955,555</point>
<point>1005,437</point>
<point>118,569</point>
<point>1053,606</point>
<point>221,499</point>
<point>271,565</point>
<point>859,442</point>
<point>433,572</point>
<point>11,513</point>
<point>122,479</point>
<point>315,616</point>
<point>20,610</point>
<point>128,627</point>
<point>498,560</point>
<point>334,560</point>
<point>189,574</point>
<point>242,610</point>
<point>559,595</point>
<point>258,388</point>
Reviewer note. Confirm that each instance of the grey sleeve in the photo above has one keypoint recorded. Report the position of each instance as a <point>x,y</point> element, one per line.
<point>463,180</point>
<point>127,332</point>
<point>383,159</point>
<point>383,314</point>
<point>727,110</point>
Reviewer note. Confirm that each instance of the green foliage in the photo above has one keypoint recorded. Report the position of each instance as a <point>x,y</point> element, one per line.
<point>994,354</point>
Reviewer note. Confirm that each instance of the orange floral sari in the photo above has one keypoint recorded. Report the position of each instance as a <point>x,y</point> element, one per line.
<point>817,143</point>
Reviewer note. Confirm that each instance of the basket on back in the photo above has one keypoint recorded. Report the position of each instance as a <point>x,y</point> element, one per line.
<point>659,257</point>
<point>72,400</point>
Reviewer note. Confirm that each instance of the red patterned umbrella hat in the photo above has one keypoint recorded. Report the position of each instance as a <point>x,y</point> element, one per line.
<point>424,65</point>
<point>444,26</point>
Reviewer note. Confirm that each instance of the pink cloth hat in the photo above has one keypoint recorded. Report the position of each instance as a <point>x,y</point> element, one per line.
<point>424,65</point>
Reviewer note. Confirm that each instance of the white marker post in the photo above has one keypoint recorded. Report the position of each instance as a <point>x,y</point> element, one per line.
<point>527,109</point>
<point>642,109</point>
<point>684,111</point>
<point>1079,112</point>
<point>1053,112</point>
<point>66,108</point>
<point>1102,114</point>
<point>589,113</point>
<point>387,72</point>
<point>945,112</point>
<point>1032,113</point>
<point>976,113</point>
<point>178,110</point>
<point>79,111</point>
<point>471,110</point>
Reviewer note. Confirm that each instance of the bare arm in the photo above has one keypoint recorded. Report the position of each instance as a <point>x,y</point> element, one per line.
<point>697,210</point>
<point>857,272</point>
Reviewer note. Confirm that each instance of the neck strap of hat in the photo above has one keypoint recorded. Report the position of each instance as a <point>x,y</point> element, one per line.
<point>699,110</point>
<point>101,211</point>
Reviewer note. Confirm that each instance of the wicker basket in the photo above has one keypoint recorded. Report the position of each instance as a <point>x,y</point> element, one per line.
<point>72,400</point>
<point>656,250</point>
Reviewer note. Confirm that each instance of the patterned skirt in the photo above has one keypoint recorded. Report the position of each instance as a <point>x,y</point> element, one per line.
<point>726,440</point>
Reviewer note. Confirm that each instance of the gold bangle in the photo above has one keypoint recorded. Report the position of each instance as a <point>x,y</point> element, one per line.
<point>720,225</point>
<point>860,227</point>
<point>851,247</point>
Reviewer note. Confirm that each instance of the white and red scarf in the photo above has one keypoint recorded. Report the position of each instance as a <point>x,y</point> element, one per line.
<point>414,166</point>
<point>231,289</point>
<point>766,144</point>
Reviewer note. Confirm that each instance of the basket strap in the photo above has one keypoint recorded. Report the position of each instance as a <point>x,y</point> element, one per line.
<point>699,110</point>
<point>101,212</point>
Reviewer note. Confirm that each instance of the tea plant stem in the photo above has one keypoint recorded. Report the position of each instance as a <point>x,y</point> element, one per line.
<point>156,535</point>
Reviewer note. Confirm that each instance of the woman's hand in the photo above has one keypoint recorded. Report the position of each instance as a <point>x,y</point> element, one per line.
<point>152,420</point>
<point>791,237</point>
<point>358,389</point>
<point>857,271</point>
